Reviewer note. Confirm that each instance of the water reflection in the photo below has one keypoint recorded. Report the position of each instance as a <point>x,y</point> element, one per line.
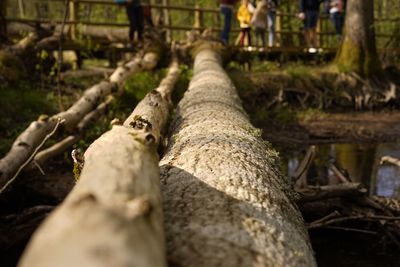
<point>360,162</point>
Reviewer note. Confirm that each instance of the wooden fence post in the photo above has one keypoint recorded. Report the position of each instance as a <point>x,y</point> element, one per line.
<point>73,17</point>
<point>3,21</point>
<point>167,20</point>
<point>278,29</point>
<point>21,8</point>
<point>198,17</point>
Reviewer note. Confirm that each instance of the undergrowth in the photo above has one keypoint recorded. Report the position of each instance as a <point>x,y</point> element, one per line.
<point>20,105</point>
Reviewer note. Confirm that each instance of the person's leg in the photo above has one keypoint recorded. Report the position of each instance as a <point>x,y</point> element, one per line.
<point>271,28</point>
<point>248,30</point>
<point>307,23</point>
<point>227,13</point>
<point>140,22</point>
<point>242,36</point>
<point>261,36</point>
<point>340,22</point>
<point>131,18</point>
<point>313,28</point>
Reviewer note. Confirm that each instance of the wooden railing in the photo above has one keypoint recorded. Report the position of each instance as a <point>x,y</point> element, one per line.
<point>288,26</point>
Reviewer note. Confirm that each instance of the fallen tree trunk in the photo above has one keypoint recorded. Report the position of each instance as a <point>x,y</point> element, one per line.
<point>27,142</point>
<point>113,216</point>
<point>225,202</point>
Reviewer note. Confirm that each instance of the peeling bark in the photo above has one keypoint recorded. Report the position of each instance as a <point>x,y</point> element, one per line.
<point>113,216</point>
<point>225,202</point>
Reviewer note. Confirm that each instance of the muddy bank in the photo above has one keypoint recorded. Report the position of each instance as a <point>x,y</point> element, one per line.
<point>306,105</point>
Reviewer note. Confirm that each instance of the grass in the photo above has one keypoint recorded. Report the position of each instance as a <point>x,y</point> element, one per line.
<point>18,107</point>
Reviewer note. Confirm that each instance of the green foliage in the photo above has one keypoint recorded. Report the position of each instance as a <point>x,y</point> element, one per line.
<point>182,83</point>
<point>11,68</point>
<point>140,84</point>
<point>310,113</point>
<point>299,70</point>
<point>18,107</point>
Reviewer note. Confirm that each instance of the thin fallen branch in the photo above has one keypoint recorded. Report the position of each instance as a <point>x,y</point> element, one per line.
<point>300,175</point>
<point>391,160</point>
<point>315,193</point>
<point>47,137</point>
<point>348,229</point>
<point>363,217</point>
<point>69,141</point>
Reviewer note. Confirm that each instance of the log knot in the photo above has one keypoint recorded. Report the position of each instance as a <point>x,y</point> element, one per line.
<point>79,161</point>
<point>141,123</point>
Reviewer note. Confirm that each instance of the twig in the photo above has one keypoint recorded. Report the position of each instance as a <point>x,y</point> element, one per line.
<point>351,229</point>
<point>317,223</point>
<point>339,174</point>
<point>59,121</point>
<point>327,217</point>
<point>304,165</point>
<point>391,236</point>
<point>38,166</point>
<point>391,160</point>
<point>60,57</point>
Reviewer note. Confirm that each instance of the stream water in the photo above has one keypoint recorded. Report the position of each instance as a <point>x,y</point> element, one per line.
<point>361,162</point>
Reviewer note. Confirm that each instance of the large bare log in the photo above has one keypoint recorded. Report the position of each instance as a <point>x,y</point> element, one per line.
<point>225,202</point>
<point>113,216</point>
<point>25,144</point>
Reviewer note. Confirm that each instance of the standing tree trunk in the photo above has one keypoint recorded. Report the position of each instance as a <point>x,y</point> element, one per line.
<point>3,22</point>
<point>225,202</point>
<point>357,52</point>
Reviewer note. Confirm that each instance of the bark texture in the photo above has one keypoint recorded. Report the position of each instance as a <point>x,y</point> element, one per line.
<point>113,216</point>
<point>29,140</point>
<point>357,52</point>
<point>225,202</point>
<point>3,22</point>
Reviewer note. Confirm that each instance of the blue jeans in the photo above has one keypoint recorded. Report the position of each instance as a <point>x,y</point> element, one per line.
<point>271,16</point>
<point>337,20</point>
<point>227,13</point>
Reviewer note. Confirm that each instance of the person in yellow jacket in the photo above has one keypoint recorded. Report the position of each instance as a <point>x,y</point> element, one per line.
<point>244,16</point>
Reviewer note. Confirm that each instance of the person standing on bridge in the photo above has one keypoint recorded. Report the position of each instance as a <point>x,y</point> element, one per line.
<point>259,21</point>
<point>335,8</point>
<point>134,10</point>
<point>226,7</point>
<point>309,13</point>
<point>244,16</point>
<point>272,5</point>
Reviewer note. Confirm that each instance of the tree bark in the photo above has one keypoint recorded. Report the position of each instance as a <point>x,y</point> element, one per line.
<point>3,22</point>
<point>113,216</point>
<point>29,140</point>
<point>225,202</point>
<point>357,52</point>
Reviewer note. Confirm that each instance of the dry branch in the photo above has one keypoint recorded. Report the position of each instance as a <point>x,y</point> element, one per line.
<point>225,203</point>
<point>312,193</point>
<point>391,160</point>
<point>113,216</point>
